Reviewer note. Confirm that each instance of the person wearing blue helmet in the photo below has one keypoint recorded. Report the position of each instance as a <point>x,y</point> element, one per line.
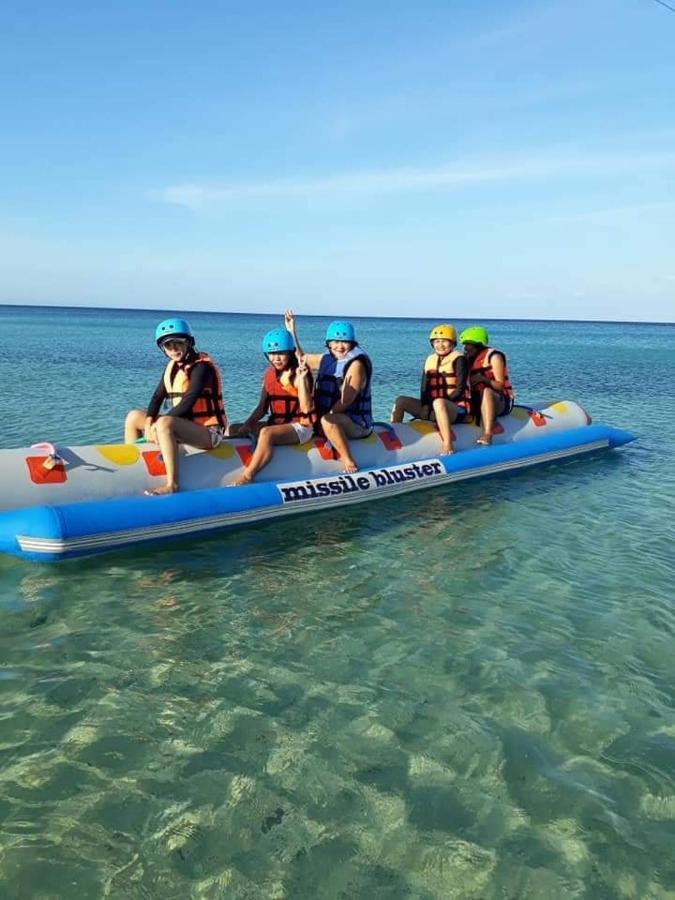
<point>191,387</point>
<point>286,400</point>
<point>342,392</point>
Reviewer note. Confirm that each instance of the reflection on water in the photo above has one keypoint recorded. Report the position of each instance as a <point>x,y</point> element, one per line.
<point>462,693</point>
<point>312,711</point>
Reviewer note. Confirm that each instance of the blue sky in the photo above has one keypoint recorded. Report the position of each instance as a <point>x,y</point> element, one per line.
<point>450,159</point>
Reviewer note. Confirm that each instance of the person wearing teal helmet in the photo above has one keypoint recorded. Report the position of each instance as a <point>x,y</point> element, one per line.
<point>342,391</point>
<point>191,387</point>
<point>286,400</point>
<point>172,328</point>
<point>491,389</point>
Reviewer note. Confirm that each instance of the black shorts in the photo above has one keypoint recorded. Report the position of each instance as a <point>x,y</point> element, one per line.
<point>461,414</point>
<point>503,406</point>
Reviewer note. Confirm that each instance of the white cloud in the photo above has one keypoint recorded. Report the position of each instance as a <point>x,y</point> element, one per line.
<point>198,196</point>
<point>616,214</point>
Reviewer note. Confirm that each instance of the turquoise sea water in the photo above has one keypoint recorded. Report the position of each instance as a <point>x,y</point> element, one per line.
<point>465,693</point>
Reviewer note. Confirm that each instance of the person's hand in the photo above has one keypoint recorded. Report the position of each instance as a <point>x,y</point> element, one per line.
<point>149,432</point>
<point>479,378</point>
<point>289,320</point>
<point>303,369</point>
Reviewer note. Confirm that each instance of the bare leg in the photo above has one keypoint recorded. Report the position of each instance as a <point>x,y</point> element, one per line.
<point>411,405</point>
<point>445,412</point>
<point>487,416</point>
<point>134,425</point>
<point>237,429</point>
<point>170,430</point>
<point>337,428</point>
<point>269,437</point>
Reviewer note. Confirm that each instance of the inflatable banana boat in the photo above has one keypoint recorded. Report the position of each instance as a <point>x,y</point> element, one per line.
<point>64,502</point>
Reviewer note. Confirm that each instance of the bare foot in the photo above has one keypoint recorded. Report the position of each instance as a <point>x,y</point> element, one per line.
<point>484,440</point>
<point>447,449</point>
<point>158,492</point>
<point>238,482</point>
<point>350,467</point>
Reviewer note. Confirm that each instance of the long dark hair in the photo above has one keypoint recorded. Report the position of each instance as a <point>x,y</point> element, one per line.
<point>293,361</point>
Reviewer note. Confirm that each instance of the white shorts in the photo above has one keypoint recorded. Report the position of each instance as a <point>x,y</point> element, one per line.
<point>304,432</point>
<point>217,435</point>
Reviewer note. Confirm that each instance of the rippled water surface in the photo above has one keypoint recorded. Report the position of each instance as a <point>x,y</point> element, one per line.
<point>465,693</point>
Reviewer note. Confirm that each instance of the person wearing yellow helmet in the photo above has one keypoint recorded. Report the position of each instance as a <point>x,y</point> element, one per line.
<point>444,395</point>
<point>491,389</point>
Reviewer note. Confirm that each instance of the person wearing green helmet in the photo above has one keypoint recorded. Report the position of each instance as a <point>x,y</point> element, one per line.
<point>491,389</point>
<point>191,386</point>
<point>444,396</point>
<point>342,390</point>
<point>286,399</point>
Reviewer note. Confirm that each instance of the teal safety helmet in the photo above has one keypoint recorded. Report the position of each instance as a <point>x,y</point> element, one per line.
<point>341,331</point>
<point>172,328</point>
<point>278,341</point>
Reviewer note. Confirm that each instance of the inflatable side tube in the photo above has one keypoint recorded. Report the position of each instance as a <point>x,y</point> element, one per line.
<point>81,529</point>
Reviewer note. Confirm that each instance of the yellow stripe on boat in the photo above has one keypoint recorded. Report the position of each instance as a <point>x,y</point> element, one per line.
<point>120,454</point>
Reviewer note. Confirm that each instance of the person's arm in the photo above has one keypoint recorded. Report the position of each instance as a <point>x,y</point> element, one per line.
<point>424,393</point>
<point>258,412</point>
<point>499,369</point>
<point>352,386</point>
<point>303,383</point>
<point>313,360</point>
<point>498,383</point>
<point>156,401</point>
<point>460,373</point>
<point>198,376</point>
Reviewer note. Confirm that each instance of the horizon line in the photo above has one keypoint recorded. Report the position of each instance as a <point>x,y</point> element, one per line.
<point>222,312</point>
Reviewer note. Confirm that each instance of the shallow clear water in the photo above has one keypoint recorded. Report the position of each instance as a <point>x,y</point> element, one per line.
<point>464,693</point>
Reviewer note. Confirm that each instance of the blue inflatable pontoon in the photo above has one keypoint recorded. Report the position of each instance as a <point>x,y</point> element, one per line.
<point>65,502</point>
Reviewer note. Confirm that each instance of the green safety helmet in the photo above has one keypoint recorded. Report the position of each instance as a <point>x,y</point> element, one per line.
<point>475,335</point>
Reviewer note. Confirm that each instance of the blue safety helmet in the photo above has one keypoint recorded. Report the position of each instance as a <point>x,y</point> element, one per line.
<point>172,328</point>
<point>341,331</point>
<point>278,341</point>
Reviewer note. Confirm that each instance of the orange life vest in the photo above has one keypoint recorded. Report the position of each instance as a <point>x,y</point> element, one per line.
<point>208,408</point>
<point>283,402</point>
<point>483,363</point>
<point>440,379</point>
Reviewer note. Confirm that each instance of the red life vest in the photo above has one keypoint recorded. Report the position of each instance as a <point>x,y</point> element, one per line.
<point>483,363</point>
<point>282,399</point>
<point>440,380</point>
<point>208,409</point>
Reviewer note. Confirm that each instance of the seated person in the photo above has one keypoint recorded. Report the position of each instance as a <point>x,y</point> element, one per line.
<point>444,394</point>
<point>342,391</point>
<point>491,390</point>
<point>191,384</point>
<point>287,396</point>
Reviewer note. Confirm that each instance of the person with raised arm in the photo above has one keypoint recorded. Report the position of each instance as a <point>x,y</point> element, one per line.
<point>342,392</point>
<point>286,399</point>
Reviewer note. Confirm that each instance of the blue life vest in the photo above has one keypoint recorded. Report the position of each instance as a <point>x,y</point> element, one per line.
<point>329,381</point>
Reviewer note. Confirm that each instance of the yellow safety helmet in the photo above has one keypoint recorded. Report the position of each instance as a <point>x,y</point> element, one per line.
<point>443,333</point>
